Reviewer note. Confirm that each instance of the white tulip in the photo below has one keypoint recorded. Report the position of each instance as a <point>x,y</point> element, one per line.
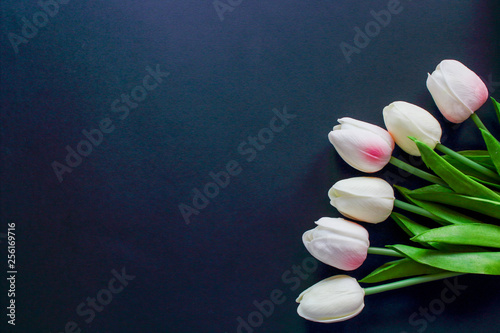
<point>366,199</point>
<point>331,300</point>
<point>337,242</point>
<point>362,145</point>
<point>403,119</point>
<point>457,91</point>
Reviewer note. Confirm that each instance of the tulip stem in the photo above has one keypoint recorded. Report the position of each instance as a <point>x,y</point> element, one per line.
<point>414,209</point>
<point>409,282</point>
<point>384,252</point>
<point>478,122</point>
<point>416,171</point>
<point>464,160</point>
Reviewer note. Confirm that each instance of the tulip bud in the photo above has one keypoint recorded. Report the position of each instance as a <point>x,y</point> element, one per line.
<point>362,145</point>
<point>404,119</point>
<point>337,242</point>
<point>457,91</point>
<point>331,300</point>
<point>366,199</point>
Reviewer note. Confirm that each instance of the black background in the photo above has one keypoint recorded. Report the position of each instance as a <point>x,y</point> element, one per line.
<point>119,207</point>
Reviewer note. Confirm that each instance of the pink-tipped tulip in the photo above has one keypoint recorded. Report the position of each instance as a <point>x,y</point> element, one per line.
<point>337,242</point>
<point>362,145</point>
<point>457,91</point>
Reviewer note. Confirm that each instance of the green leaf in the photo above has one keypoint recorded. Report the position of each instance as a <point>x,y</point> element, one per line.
<point>412,228</point>
<point>434,188</point>
<point>479,156</point>
<point>496,105</point>
<point>493,148</point>
<point>491,175</point>
<point>457,181</point>
<point>446,214</point>
<point>494,186</point>
<point>463,262</point>
<point>399,269</point>
<point>478,234</point>
<point>467,170</point>
<point>483,206</point>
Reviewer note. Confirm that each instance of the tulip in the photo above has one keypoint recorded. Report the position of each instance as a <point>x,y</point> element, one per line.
<point>362,145</point>
<point>337,242</point>
<point>331,300</point>
<point>457,91</point>
<point>404,119</point>
<point>366,199</point>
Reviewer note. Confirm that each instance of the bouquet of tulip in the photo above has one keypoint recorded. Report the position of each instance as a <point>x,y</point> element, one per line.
<point>463,194</point>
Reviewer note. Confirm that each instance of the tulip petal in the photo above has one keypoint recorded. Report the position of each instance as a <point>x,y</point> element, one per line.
<point>338,251</point>
<point>367,199</point>
<point>372,210</point>
<point>362,145</point>
<point>367,152</point>
<point>364,187</point>
<point>350,123</point>
<point>404,119</point>
<point>344,227</point>
<point>451,109</point>
<point>334,299</point>
<point>465,85</point>
<point>337,242</point>
<point>457,90</point>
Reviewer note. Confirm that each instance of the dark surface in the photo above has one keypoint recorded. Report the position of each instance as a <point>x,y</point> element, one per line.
<point>119,207</point>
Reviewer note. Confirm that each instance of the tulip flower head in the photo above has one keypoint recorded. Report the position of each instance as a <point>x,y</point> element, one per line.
<point>366,199</point>
<point>403,119</point>
<point>457,91</point>
<point>362,145</point>
<point>337,242</point>
<point>331,300</point>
